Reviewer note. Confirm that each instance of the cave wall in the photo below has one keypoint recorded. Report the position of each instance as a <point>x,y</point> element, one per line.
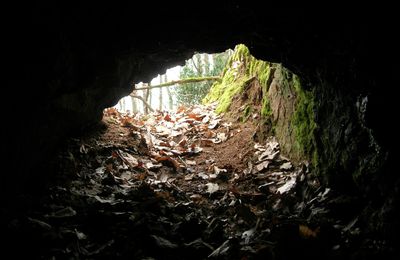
<point>67,62</point>
<point>321,124</point>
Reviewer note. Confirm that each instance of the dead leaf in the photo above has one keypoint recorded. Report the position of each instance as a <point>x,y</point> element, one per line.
<point>100,170</point>
<point>181,109</point>
<point>213,124</point>
<point>98,250</point>
<point>209,134</point>
<point>217,170</point>
<point>164,177</point>
<point>261,166</point>
<point>196,116</point>
<point>286,166</point>
<point>189,177</point>
<point>205,119</point>
<point>190,162</point>
<point>182,142</point>
<point>168,159</point>
<point>128,159</point>
<point>287,186</point>
<point>203,176</point>
<point>63,213</point>
<point>80,235</point>
<point>196,197</point>
<point>126,122</point>
<point>40,223</point>
<point>195,150</point>
<point>212,187</point>
<point>111,111</point>
<point>206,142</point>
<point>247,235</point>
<point>167,117</point>
<point>307,232</point>
<point>222,137</point>
<point>221,250</point>
<point>268,155</point>
<point>150,165</point>
<point>164,243</point>
<point>83,149</point>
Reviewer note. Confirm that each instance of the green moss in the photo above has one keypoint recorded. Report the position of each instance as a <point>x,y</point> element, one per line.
<point>230,90</point>
<point>225,91</point>
<point>240,69</point>
<point>246,113</point>
<point>303,122</point>
<point>297,129</point>
<point>266,110</point>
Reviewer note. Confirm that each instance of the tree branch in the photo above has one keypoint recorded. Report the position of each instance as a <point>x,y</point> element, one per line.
<point>181,81</point>
<point>144,101</point>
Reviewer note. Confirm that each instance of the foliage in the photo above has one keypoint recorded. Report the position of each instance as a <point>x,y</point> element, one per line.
<point>200,66</point>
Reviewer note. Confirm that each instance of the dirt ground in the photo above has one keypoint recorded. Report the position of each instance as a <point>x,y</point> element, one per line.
<point>185,185</point>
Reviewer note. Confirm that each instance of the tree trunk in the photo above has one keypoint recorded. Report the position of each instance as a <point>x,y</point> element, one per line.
<point>123,104</point>
<point>206,64</point>
<point>170,99</point>
<point>146,93</point>
<point>160,97</point>
<point>134,106</point>
<point>149,97</point>
<point>197,64</point>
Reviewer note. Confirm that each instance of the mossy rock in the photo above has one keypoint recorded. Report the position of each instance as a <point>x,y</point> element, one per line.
<point>294,128</point>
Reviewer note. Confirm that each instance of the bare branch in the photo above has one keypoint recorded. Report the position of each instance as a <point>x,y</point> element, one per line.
<point>144,101</point>
<point>181,81</point>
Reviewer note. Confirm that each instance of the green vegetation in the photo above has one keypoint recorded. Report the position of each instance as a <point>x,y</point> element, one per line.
<point>246,113</point>
<point>200,66</point>
<point>296,126</point>
<point>303,122</point>
<point>240,70</point>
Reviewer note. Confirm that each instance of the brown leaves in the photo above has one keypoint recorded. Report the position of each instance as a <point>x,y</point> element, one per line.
<point>171,135</point>
<point>307,232</point>
<point>111,112</point>
<point>166,160</point>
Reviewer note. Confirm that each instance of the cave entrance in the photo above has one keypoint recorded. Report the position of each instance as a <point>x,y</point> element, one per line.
<point>202,180</point>
<point>225,168</point>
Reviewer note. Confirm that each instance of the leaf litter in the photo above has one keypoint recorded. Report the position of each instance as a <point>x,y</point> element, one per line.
<point>183,185</point>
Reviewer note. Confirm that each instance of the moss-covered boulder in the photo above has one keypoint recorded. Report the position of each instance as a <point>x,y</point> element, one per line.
<point>284,108</point>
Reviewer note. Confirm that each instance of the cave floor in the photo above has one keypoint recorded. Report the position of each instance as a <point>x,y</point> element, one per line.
<point>189,185</point>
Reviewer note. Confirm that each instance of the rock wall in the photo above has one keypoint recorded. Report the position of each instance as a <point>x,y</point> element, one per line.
<point>285,109</point>
<point>319,124</point>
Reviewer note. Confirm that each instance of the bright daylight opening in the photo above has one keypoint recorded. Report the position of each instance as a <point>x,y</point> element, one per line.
<point>180,85</point>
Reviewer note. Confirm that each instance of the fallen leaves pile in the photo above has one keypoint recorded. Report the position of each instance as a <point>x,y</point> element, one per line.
<point>139,190</point>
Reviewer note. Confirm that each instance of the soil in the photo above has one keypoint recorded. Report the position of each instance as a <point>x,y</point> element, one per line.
<point>129,191</point>
<point>233,153</point>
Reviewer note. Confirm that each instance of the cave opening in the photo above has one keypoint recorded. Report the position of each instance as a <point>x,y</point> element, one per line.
<point>224,167</point>
<point>289,156</point>
<point>213,161</point>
